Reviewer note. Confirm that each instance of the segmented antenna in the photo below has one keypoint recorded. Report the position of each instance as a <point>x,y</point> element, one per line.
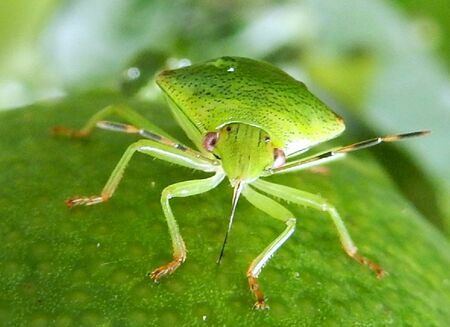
<point>343,150</point>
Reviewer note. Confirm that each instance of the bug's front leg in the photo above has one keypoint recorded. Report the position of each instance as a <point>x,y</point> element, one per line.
<point>182,189</point>
<point>314,201</point>
<point>173,153</point>
<point>277,211</point>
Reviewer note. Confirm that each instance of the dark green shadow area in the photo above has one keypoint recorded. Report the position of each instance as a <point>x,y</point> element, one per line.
<point>87,266</point>
<point>407,175</point>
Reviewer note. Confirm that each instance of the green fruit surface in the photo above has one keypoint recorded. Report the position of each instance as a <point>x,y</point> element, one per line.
<point>87,266</point>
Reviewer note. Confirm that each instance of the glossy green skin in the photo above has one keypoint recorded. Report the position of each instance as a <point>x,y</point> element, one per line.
<point>234,89</point>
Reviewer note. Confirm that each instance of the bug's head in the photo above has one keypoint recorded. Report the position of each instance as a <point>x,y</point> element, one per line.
<point>245,151</point>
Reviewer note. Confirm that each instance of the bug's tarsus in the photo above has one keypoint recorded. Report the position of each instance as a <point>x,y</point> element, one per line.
<point>236,194</point>
<point>86,201</point>
<point>167,269</point>
<point>376,268</point>
<point>260,303</point>
<point>68,132</point>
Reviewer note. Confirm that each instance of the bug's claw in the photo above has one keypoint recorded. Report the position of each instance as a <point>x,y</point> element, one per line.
<point>376,268</point>
<point>68,132</point>
<point>261,305</point>
<point>86,201</point>
<point>167,269</point>
<point>255,288</point>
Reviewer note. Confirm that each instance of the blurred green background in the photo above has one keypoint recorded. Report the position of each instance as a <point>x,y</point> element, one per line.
<point>382,65</point>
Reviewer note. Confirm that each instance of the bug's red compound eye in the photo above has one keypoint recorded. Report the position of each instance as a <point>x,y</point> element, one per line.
<point>210,140</point>
<point>279,158</point>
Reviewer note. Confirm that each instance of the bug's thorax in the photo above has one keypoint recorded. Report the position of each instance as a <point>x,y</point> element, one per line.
<point>245,152</point>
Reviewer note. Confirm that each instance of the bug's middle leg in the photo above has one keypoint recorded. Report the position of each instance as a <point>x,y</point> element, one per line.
<point>182,189</point>
<point>314,201</point>
<point>277,211</point>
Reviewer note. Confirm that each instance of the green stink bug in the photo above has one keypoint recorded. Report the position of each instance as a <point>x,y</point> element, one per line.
<point>246,119</point>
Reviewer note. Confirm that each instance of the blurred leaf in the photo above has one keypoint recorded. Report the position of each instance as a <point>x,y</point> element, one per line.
<point>87,266</point>
<point>98,46</point>
<point>408,88</point>
<point>349,77</point>
<point>21,74</point>
<point>141,70</point>
<point>20,21</point>
<point>431,21</point>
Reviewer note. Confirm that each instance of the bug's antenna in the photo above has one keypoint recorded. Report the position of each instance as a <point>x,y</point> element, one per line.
<point>236,194</point>
<point>343,150</point>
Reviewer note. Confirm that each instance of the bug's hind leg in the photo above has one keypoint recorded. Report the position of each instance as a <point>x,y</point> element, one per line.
<point>182,189</point>
<point>277,211</point>
<point>124,112</point>
<point>314,201</point>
